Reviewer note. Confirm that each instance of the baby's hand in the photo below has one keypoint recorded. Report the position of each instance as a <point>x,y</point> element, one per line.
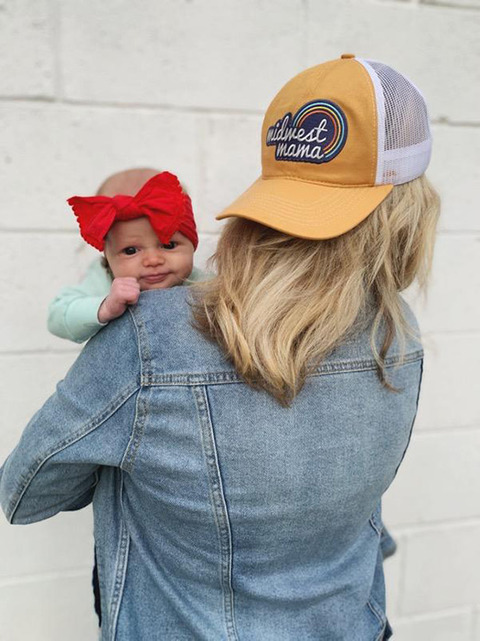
<point>124,291</point>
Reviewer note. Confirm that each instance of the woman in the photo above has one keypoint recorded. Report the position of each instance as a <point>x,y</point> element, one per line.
<point>236,437</point>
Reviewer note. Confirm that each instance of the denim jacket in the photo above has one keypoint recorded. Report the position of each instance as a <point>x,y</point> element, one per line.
<point>219,514</point>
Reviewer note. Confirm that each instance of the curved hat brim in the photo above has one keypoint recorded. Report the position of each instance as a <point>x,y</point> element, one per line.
<point>305,209</point>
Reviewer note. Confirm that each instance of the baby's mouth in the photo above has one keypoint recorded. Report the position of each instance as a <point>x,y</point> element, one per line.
<point>155,278</point>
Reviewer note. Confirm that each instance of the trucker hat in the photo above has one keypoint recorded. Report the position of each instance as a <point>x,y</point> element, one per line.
<point>335,140</point>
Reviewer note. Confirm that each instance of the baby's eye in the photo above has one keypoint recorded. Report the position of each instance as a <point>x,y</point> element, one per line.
<point>171,245</point>
<point>129,251</point>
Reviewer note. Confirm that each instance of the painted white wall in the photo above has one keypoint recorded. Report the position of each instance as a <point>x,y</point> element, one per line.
<point>89,88</point>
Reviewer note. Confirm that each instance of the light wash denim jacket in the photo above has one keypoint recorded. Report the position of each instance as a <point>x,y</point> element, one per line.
<point>219,514</point>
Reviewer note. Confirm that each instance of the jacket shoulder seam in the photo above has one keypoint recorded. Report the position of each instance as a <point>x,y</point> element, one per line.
<point>219,377</point>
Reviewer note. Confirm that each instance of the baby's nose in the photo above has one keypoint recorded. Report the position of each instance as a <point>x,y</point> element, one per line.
<point>154,257</point>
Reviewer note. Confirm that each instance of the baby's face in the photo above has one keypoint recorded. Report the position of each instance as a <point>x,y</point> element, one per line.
<point>132,248</point>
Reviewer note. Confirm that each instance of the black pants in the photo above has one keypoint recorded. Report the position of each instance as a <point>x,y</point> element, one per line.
<point>96,591</point>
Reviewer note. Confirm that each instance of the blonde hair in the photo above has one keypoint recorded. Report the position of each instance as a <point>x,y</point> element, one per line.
<point>280,304</point>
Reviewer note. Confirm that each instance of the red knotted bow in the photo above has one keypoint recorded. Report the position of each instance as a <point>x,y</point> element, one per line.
<point>161,200</point>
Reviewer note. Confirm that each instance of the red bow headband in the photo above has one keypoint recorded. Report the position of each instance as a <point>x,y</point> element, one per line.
<point>161,200</point>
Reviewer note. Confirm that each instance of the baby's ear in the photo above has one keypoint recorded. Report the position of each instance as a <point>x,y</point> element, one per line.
<point>106,244</point>
<point>106,266</point>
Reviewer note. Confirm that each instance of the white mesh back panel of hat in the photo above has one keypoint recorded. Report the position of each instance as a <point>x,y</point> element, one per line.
<point>404,138</point>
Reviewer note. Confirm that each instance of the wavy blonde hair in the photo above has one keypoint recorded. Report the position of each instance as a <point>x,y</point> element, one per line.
<point>280,304</point>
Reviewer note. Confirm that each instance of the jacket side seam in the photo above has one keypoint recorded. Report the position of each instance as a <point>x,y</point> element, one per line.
<point>379,615</point>
<point>413,419</point>
<point>120,570</point>
<point>374,522</point>
<point>107,413</point>
<point>220,509</point>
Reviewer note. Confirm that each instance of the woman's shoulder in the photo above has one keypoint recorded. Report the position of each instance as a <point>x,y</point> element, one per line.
<point>357,349</point>
<point>410,316</point>
<point>167,337</point>
<point>162,310</point>
<point>157,306</point>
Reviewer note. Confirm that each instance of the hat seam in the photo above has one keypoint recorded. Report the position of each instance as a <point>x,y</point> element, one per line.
<point>305,223</point>
<point>299,224</point>
<point>290,217</point>
<point>374,164</point>
<point>318,182</point>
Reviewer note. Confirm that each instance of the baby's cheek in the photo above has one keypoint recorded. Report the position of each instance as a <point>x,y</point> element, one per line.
<point>126,268</point>
<point>188,263</point>
<point>117,271</point>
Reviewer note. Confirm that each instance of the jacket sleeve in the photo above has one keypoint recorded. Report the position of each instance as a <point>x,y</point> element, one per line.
<point>85,424</point>
<point>72,314</point>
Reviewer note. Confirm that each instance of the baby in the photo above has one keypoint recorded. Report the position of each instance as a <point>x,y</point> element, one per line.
<point>148,239</point>
<point>143,222</point>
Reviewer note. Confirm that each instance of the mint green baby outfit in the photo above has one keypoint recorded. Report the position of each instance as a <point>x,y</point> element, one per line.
<point>72,314</point>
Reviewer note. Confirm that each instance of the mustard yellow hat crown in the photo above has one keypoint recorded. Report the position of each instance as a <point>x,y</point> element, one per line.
<point>335,140</point>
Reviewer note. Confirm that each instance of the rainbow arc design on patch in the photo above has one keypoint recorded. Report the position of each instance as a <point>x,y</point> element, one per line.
<point>316,133</point>
<point>336,117</point>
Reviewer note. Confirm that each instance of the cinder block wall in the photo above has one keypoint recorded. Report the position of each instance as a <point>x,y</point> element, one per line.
<point>89,88</point>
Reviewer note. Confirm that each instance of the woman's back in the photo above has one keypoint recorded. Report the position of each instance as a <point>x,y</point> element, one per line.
<point>237,517</point>
<point>237,487</point>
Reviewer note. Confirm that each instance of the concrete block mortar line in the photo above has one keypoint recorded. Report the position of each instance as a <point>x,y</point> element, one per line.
<point>444,121</point>
<point>71,232</point>
<point>45,576</point>
<point>58,230</point>
<point>38,230</point>
<point>434,526</point>
<point>27,99</point>
<point>209,233</point>
<point>459,232</point>
<point>455,429</point>
<point>434,614</point>
<point>50,351</point>
<point>394,3</point>
<point>181,109</point>
<point>444,430</point>
<point>449,5</point>
<point>140,106</point>
<point>449,332</point>
<point>430,4</point>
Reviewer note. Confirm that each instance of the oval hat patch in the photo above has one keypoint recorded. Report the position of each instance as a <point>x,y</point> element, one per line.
<point>316,133</point>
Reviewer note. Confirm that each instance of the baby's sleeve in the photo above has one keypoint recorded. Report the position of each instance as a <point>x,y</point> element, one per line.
<point>72,314</point>
<point>199,275</point>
